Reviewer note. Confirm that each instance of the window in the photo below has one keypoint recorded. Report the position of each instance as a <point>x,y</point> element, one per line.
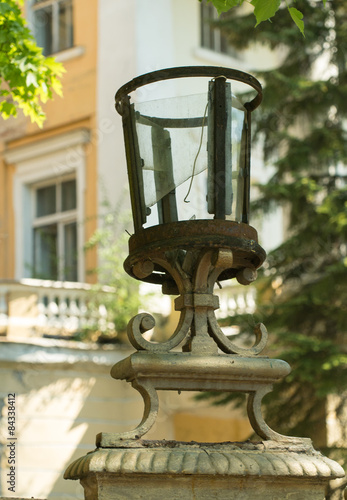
<point>55,231</point>
<point>53,27</point>
<point>212,38</point>
<point>50,163</point>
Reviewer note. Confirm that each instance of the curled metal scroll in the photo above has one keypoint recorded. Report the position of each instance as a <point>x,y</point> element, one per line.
<point>204,272</point>
<point>261,337</point>
<point>211,265</point>
<point>144,322</point>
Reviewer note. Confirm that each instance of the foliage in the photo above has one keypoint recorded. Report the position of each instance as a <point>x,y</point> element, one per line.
<point>303,290</point>
<point>27,78</point>
<point>264,10</point>
<point>110,239</point>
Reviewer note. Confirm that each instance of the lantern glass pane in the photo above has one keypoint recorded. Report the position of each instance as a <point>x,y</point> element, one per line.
<point>174,139</point>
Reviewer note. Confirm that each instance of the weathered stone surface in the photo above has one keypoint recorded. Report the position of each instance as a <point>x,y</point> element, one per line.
<point>104,487</point>
<point>187,471</point>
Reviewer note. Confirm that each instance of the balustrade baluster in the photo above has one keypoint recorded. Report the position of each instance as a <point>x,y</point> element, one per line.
<point>64,311</point>
<point>3,310</point>
<point>83,317</point>
<point>74,313</point>
<point>61,308</point>
<point>102,320</point>
<point>42,309</point>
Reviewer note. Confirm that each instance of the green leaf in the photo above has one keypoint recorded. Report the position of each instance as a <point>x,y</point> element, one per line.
<point>5,8</point>
<point>297,17</point>
<point>22,63</point>
<point>225,5</point>
<point>3,36</point>
<point>31,79</point>
<point>265,9</point>
<point>7,109</point>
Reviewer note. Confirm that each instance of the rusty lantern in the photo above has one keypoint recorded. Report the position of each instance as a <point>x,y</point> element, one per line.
<point>188,163</point>
<point>189,170</point>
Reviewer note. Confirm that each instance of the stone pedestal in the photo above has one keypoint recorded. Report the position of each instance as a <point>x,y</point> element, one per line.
<point>158,470</point>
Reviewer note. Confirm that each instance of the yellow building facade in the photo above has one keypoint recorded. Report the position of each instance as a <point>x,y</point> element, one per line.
<point>63,149</point>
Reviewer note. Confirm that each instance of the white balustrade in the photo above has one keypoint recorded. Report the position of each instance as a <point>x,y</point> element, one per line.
<point>58,308</point>
<point>65,308</point>
<point>236,299</point>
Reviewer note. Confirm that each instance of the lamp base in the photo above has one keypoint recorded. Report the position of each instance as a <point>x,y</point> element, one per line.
<point>176,239</point>
<point>186,471</point>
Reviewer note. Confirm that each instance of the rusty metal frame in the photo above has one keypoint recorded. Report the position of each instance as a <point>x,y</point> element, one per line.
<point>188,72</point>
<point>195,235</point>
<point>219,75</point>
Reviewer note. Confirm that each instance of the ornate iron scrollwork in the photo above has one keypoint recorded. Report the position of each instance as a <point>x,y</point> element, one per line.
<point>201,365</point>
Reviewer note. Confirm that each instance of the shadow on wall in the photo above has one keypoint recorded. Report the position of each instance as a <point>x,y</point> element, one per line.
<point>65,396</point>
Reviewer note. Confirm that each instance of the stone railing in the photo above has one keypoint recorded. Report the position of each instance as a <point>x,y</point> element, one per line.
<point>31,307</point>
<point>236,299</point>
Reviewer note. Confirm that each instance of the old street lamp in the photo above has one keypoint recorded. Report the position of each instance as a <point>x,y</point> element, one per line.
<point>189,171</point>
<point>181,148</point>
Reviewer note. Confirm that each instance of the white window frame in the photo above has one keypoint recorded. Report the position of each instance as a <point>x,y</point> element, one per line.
<point>59,218</point>
<point>55,21</point>
<point>46,161</point>
<point>210,31</point>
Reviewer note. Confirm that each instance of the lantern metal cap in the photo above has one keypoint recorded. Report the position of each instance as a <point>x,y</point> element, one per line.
<point>188,72</point>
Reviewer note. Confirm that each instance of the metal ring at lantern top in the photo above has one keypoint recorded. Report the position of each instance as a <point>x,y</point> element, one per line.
<point>191,71</point>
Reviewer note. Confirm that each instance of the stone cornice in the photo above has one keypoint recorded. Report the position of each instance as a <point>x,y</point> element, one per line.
<point>47,146</point>
<point>42,353</point>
